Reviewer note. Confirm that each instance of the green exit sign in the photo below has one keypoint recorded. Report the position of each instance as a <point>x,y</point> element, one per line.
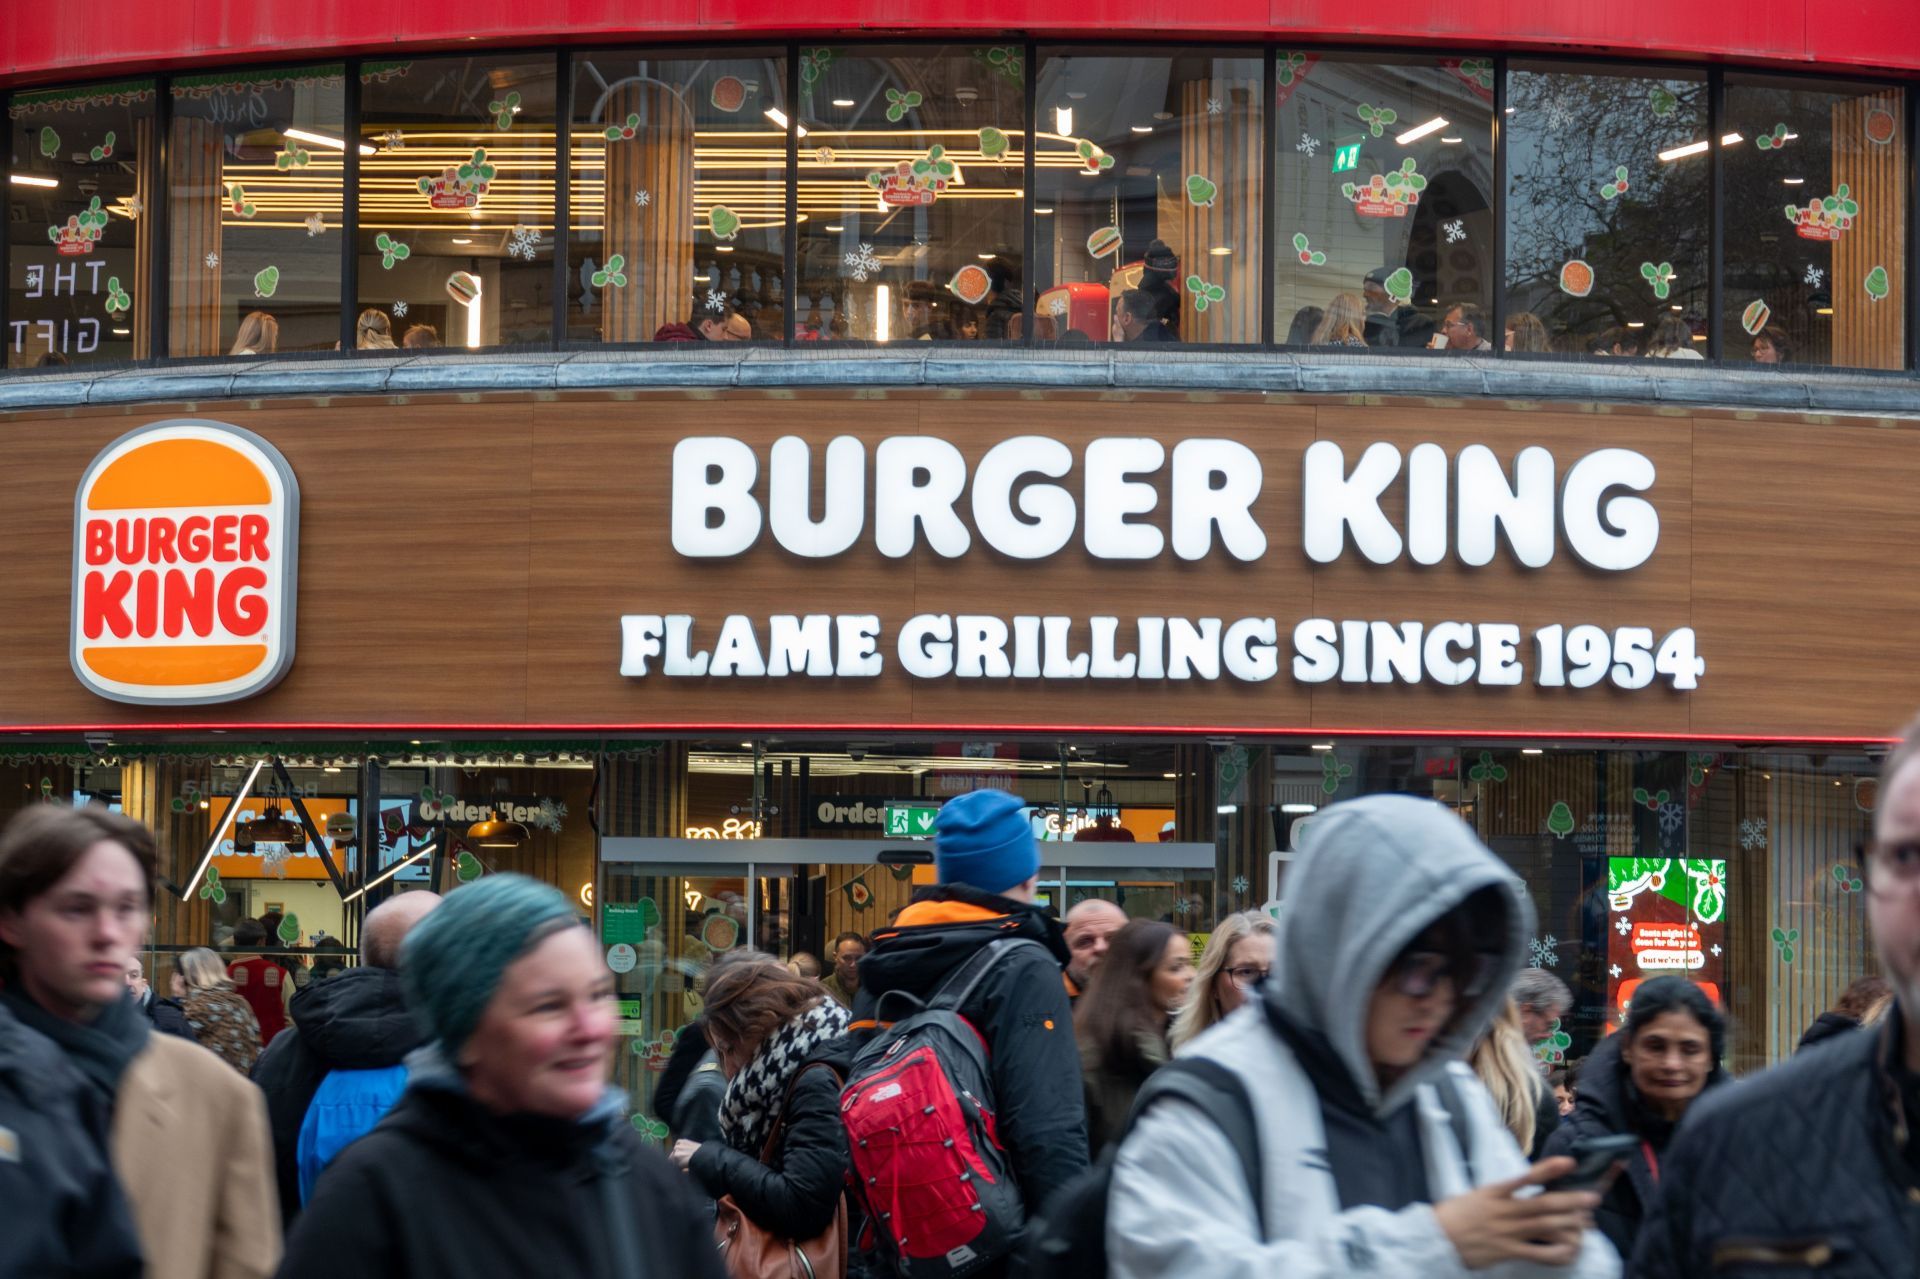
<point>910,821</point>
<point>1346,156</point>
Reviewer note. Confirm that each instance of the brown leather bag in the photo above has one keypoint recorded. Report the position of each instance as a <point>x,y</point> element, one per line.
<point>749,1251</point>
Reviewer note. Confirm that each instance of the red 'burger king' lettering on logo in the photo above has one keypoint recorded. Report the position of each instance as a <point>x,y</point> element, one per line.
<point>185,536</point>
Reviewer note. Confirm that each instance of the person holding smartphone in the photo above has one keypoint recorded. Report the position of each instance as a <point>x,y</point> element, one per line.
<point>1639,1083</point>
<point>1378,1151</point>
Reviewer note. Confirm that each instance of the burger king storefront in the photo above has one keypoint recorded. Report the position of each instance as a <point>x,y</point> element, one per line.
<point>710,659</point>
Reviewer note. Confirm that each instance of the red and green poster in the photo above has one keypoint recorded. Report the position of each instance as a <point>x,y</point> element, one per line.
<point>1665,915</point>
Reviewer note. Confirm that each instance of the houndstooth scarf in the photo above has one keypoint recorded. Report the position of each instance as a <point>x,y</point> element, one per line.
<point>755,1095</point>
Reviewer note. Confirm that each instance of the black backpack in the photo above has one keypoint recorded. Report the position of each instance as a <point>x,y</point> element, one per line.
<point>1069,1240</point>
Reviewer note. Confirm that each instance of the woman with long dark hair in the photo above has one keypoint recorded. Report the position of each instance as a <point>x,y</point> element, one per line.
<point>1641,1081</point>
<point>1123,1020</point>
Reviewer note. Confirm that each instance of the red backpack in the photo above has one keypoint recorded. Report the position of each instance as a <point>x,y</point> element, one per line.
<point>919,1113</point>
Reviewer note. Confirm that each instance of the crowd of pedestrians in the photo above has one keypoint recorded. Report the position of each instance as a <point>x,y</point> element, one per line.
<point>976,1089</point>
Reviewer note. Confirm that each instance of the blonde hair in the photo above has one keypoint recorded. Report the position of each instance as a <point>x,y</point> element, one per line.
<point>373,331</point>
<point>1346,317</point>
<point>1203,1006</point>
<point>1510,1073</point>
<point>201,969</point>
<point>259,335</point>
<point>1528,331</point>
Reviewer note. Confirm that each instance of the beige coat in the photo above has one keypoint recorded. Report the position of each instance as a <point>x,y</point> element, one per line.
<point>191,1148</point>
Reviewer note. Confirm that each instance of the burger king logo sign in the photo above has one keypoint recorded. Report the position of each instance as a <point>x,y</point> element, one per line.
<point>185,536</point>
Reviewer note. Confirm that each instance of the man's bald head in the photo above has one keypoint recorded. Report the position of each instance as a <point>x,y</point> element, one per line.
<point>388,924</point>
<point>1090,925</point>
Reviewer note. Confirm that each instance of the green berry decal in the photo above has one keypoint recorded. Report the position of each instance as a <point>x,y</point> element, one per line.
<point>1617,187</point>
<point>1376,118</point>
<point>614,273</point>
<point>1092,157</point>
<point>237,202</point>
<point>104,151</point>
<point>1560,820</point>
<point>1773,141</point>
<point>1660,277</point>
<point>619,132</point>
<point>1308,255</point>
<point>1204,294</point>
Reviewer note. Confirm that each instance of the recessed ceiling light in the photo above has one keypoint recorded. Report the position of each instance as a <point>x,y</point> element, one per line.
<point>1451,141</point>
<point>1825,310</point>
<point>461,239</point>
<point>1323,746</point>
<point>1047,212</point>
<point>723,248</point>
<point>1143,128</point>
<point>836,228</point>
<point>1220,251</point>
<point>843,102</point>
<point>29,180</point>
<point>1636,324</point>
<point>1793,182</point>
<point>984,257</point>
<point>1532,750</point>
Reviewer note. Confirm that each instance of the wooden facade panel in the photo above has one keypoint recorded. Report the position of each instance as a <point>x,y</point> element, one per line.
<point>466,560</point>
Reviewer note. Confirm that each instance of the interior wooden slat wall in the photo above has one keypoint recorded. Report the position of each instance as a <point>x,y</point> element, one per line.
<point>193,231</point>
<point>1869,334</point>
<point>21,785</point>
<point>657,241</point>
<point>147,791</point>
<point>150,189</point>
<point>1735,795</point>
<point>1224,148</point>
<point>645,795</point>
<point>889,895</point>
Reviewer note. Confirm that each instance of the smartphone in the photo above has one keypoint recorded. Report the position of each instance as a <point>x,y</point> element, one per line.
<point>1593,1157</point>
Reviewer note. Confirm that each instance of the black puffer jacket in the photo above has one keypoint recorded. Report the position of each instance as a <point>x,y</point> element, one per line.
<point>446,1189</point>
<point>1810,1168</point>
<point>61,1211</point>
<point>1608,1106</point>
<point>1826,1026</point>
<point>356,1021</point>
<point>1020,1007</point>
<point>794,1194</point>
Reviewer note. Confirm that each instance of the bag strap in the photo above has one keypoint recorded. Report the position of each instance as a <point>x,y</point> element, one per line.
<point>780,1119</point>
<point>1220,1095</point>
<point>1456,1108</point>
<point>969,975</point>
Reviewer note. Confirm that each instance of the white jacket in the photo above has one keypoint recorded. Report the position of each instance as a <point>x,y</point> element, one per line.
<point>1180,1206</point>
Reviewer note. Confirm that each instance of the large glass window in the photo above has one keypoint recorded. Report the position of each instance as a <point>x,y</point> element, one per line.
<point>1147,179</point>
<point>456,202</point>
<point>80,183</point>
<point>910,193</point>
<point>253,226</point>
<point>1384,199</point>
<point>1816,223</point>
<point>679,197</point>
<point>1607,218</point>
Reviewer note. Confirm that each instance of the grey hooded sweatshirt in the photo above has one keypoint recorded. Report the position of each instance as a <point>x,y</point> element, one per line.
<point>1350,1170</point>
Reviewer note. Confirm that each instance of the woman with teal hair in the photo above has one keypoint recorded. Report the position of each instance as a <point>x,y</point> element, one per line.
<point>509,1154</point>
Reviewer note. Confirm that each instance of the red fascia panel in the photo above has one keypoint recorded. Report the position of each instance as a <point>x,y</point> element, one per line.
<point>47,43</point>
<point>1759,738</point>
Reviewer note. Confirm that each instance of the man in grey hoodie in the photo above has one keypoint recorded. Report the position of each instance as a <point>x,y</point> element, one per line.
<point>1402,933</point>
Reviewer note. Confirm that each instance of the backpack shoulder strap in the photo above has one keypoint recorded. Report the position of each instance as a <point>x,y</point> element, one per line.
<point>1220,1095</point>
<point>952,994</point>
<point>1456,1108</point>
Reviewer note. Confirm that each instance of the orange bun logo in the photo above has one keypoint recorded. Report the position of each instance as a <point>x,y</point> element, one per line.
<point>185,536</point>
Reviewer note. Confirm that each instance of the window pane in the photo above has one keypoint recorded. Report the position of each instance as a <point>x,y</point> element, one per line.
<point>1384,196</point>
<point>81,179</point>
<point>1606,211</point>
<point>1816,220</point>
<point>679,186</point>
<point>456,202</point>
<point>1148,178</point>
<point>910,193</point>
<point>253,228</point>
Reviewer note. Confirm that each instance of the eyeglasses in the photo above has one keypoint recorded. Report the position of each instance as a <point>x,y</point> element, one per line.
<point>1418,973</point>
<point>1891,865</point>
<point>1246,975</point>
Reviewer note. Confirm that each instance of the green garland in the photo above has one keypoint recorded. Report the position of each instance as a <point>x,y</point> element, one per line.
<point>94,95</point>
<point>200,86</point>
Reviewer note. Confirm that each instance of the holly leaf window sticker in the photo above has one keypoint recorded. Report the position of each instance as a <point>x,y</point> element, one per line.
<point>1376,118</point>
<point>504,109</point>
<point>1709,897</point>
<point>621,132</point>
<point>899,102</point>
<point>1204,294</point>
<point>934,164</point>
<point>1405,183</point>
<point>1092,157</point>
<point>118,303</point>
<point>1486,770</point>
<point>212,890</point>
<point>237,201</point>
<point>1309,256</point>
<point>104,151</point>
<point>614,273</point>
<point>391,250</point>
<point>1659,276</point>
<point>1332,773</point>
<point>291,157</point>
<point>1289,65</point>
<point>477,171</point>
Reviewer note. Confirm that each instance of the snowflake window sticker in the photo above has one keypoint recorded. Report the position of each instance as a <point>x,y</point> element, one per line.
<point>716,300</point>
<point>213,261</point>
<point>1623,925</point>
<point>1753,833</point>
<point>523,243</point>
<point>1456,231</point>
<point>315,224</point>
<point>641,199</point>
<point>1543,952</point>
<point>1214,106</point>
<point>1814,276</point>
<point>1308,145</point>
<point>399,309</point>
<point>861,263</point>
<point>1241,884</point>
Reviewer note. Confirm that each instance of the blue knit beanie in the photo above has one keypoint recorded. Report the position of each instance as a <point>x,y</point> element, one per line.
<point>983,839</point>
<point>451,961</point>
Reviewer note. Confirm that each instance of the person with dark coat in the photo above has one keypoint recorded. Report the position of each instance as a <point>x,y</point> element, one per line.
<point>357,1020</point>
<point>1641,1081</point>
<point>1862,1003</point>
<point>1814,1166</point>
<point>782,1153</point>
<point>707,324</point>
<point>1122,1024</point>
<point>509,1154</point>
<point>988,866</point>
<point>167,1016</point>
<point>61,1211</point>
<point>688,1094</point>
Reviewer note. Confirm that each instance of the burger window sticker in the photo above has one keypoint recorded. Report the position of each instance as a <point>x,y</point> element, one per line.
<point>185,555</point>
